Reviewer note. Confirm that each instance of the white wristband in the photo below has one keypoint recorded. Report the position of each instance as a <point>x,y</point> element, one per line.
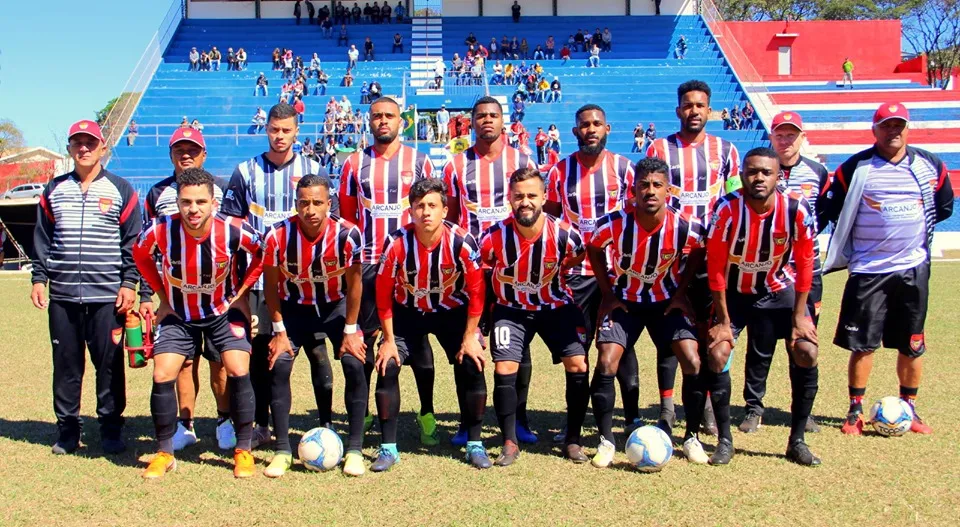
<point>349,329</point>
<point>278,327</point>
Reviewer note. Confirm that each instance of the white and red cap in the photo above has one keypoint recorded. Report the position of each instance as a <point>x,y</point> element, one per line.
<point>891,110</point>
<point>86,126</point>
<point>188,134</point>
<point>783,118</point>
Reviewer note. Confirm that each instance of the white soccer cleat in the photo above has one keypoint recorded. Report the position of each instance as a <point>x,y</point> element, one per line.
<point>693,451</point>
<point>226,436</point>
<point>604,456</point>
<point>183,437</point>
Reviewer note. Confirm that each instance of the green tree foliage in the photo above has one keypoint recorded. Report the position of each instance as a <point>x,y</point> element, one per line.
<point>10,137</point>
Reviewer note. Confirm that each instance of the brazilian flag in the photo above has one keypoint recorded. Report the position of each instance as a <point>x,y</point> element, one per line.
<point>409,119</point>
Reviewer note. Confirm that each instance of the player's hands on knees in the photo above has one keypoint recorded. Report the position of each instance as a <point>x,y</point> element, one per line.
<point>38,296</point>
<point>125,300</point>
<point>386,353</point>
<point>718,334</point>
<point>608,304</point>
<point>279,345</point>
<point>471,349</point>
<point>803,328</point>
<point>353,345</point>
<point>681,302</point>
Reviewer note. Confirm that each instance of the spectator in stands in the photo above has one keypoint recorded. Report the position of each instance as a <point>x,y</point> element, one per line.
<point>194,60</point>
<point>540,141</point>
<point>607,39</point>
<point>549,48</point>
<point>300,108</point>
<point>346,105</point>
<point>241,59</point>
<point>399,12</point>
<point>298,68</point>
<point>288,65</point>
<point>364,93</point>
<point>300,87</point>
<point>656,4</point>
<point>184,123</point>
<point>323,14</point>
<point>343,35</point>
<point>262,83</point>
<point>538,53</point>
<point>524,49</point>
<point>231,60</point>
<point>307,148</point>
<point>637,139</point>
<point>594,60</point>
<point>322,80</point>
<point>470,40</point>
<point>297,11</point>
<point>347,79</point>
<point>439,70</point>
<point>556,95</point>
<point>748,115</point>
<point>509,73</point>
<point>385,13</point>
<point>375,13</point>
<point>204,61</point>
<point>368,50</point>
<point>368,12</point>
<point>523,71</point>
<point>376,91</point>
<point>215,58</point>
<point>504,48</point>
<point>132,132</point>
<point>311,12</point>
<point>259,119</point>
<point>497,77</point>
<point>286,91</point>
<point>553,136</point>
<point>515,48</point>
<point>330,149</point>
<point>564,54</point>
<point>477,73</point>
<point>537,69</point>
<point>314,66</point>
<point>681,50</point>
<point>515,11</point>
<point>847,73</point>
<point>443,121</point>
<point>356,12</point>
<point>340,14</point>
<point>649,137</point>
<point>397,43</point>
<point>277,64</point>
<point>519,109</point>
<point>327,26</point>
<point>543,90</point>
<point>196,125</point>
<point>736,117</point>
<point>579,41</point>
<point>727,121</point>
<point>353,55</point>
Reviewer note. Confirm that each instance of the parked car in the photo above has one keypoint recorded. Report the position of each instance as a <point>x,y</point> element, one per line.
<point>29,190</point>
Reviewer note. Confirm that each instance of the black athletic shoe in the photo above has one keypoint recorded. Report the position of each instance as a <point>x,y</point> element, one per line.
<point>510,453</point>
<point>709,426</point>
<point>113,445</point>
<point>670,416</point>
<point>811,426</point>
<point>800,453</point>
<point>723,454</point>
<point>65,445</point>
<point>751,423</point>
<point>574,452</point>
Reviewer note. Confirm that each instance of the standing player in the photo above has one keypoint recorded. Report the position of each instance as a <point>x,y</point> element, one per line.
<point>374,195</point>
<point>804,176</point>
<point>700,165</point>
<point>92,284</point>
<point>886,201</point>
<point>198,298</point>
<point>582,188</point>
<point>477,186</point>
<point>754,234</point>
<point>312,281</point>
<point>430,281</point>
<point>529,252</point>
<point>262,190</point>
<point>189,150</point>
<point>647,291</point>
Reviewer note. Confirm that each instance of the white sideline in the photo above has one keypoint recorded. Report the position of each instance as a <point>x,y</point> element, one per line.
<point>864,125</point>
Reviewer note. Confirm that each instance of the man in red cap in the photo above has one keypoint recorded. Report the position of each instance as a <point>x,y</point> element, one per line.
<point>87,223</point>
<point>189,150</point>
<point>885,202</point>
<point>805,177</point>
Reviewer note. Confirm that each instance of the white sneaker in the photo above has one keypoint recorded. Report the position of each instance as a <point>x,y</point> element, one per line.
<point>693,451</point>
<point>261,436</point>
<point>226,436</point>
<point>183,437</point>
<point>604,455</point>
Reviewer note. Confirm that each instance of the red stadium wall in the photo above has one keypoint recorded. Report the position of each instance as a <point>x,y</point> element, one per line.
<point>819,48</point>
<point>12,175</point>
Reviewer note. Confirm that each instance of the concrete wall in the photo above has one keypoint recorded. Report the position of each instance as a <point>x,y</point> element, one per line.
<point>201,9</point>
<point>502,7</point>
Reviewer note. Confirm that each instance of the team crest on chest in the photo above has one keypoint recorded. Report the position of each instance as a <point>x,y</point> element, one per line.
<point>330,262</point>
<point>447,270</point>
<point>807,189</point>
<point>715,164</point>
<point>668,254</point>
<point>550,264</point>
<point>406,177</point>
<point>105,204</point>
<point>779,238</point>
<point>613,191</point>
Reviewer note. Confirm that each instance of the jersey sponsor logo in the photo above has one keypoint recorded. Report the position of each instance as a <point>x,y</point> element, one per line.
<point>916,342</point>
<point>851,328</point>
<point>386,210</point>
<point>105,204</point>
<point>587,224</point>
<point>753,267</point>
<point>896,211</point>
<point>492,213</point>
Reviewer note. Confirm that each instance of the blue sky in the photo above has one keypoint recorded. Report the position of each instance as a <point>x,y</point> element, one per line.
<point>62,60</point>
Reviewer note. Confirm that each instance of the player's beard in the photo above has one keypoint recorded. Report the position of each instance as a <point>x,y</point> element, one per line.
<point>489,138</point>
<point>386,138</point>
<point>692,128</point>
<point>528,221</point>
<point>274,149</point>
<point>592,150</point>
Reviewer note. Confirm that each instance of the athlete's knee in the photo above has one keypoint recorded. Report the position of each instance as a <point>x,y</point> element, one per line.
<point>506,367</point>
<point>805,354</point>
<point>718,356</point>
<point>608,360</point>
<point>352,367</point>
<point>688,356</point>
<point>575,364</point>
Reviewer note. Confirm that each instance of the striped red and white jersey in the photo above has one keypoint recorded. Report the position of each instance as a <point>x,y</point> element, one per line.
<point>750,253</point>
<point>526,273</point>
<point>647,265</point>
<point>698,171</point>
<point>312,271</point>
<point>483,186</point>
<point>586,195</point>
<point>376,189</point>
<point>430,279</point>
<point>198,273</point>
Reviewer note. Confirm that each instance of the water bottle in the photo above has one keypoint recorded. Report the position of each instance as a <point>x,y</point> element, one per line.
<point>136,353</point>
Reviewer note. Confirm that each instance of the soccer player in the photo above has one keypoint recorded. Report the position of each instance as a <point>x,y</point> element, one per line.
<point>262,190</point>
<point>311,281</point>
<point>430,281</point>
<point>528,253</point>
<point>582,188</point>
<point>700,166</point>
<point>754,234</point>
<point>885,201</point>
<point>188,149</point>
<point>92,284</point>
<point>477,195</point>
<point>646,290</point>
<point>374,195</point>
<point>198,298</point>
<point>804,176</point>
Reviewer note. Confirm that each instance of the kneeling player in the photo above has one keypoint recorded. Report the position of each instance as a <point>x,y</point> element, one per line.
<point>311,269</point>
<point>647,245</point>
<point>197,302</point>
<point>528,253</point>
<point>430,281</point>
<point>753,235</point>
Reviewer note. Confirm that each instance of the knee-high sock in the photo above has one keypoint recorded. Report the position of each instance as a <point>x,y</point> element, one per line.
<point>523,388</point>
<point>505,404</point>
<point>603,395</point>
<point>260,377</point>
<point>628,375</point>
<point>720,397</point>
<point>459,383</point>
<point>388,403</point>
<point>163,406</point>
<point>804,383</point>
<point>475,401</point>
<point>355,397</point>
<point>424,374</point>
<point>694,398</point>
<point>321,375</point>
<point>280,400</point>
<point>370,341</point>
<point>578,397</point>
<point>242,408</point>
<point>666,377</point>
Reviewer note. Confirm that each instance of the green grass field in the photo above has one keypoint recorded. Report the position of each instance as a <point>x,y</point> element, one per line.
<point>869,480</point>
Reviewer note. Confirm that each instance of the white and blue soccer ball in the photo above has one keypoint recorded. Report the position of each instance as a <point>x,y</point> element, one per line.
<point>891,416</point>
<point>649,448</point>
<point>320,449</point>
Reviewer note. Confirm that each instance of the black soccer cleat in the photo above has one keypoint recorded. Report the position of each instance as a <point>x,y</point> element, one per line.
<point>574,452</point>
<point>750,423</point>
<point>723,454</point>
<point>800,453</point>
<point>113,445</point>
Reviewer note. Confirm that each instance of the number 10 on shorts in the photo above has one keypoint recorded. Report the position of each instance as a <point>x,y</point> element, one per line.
<point>501,337</point>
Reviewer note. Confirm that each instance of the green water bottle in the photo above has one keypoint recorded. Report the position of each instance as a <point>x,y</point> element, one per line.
<point>134,341</point>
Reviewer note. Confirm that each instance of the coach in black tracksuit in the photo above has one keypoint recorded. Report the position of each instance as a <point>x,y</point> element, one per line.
<point>88,221</point>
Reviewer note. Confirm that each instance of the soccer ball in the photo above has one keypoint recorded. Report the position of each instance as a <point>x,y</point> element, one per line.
<point>891,416</point>
<point>320,449</point>
<point>649,448</point>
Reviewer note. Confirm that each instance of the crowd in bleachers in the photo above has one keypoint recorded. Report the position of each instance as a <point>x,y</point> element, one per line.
<point>211,60</point>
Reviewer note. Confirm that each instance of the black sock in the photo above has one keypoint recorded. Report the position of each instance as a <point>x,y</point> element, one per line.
<point>909,394</point>
<point>578,397</point>
<point>242,408</point>
<point>666,377</point>
<point>355,397</point>
<point>163,406</point>
<point>280,401</point>
<point>603,396</point>
<point>368,370</point>
<point>388,402</point>
<point>694,399</point>
<point>321,375</point>
<point>475,403</point>
<point>720,397</point>
<point>260,377</point>
<point>424,374</point>
<point>459,383</point>
<point>222,416</point>
<point>856,399</point>
<point>187,423</point>
<point>505,404</point>
<point>628,375</point>
<point>803,382</point>
<point>523,388</point>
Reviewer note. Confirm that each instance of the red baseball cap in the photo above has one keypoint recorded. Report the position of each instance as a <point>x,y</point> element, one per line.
<point>791,118</point>
<point>85,126</point>
<point>891,110</point>
<point>188,134</point>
